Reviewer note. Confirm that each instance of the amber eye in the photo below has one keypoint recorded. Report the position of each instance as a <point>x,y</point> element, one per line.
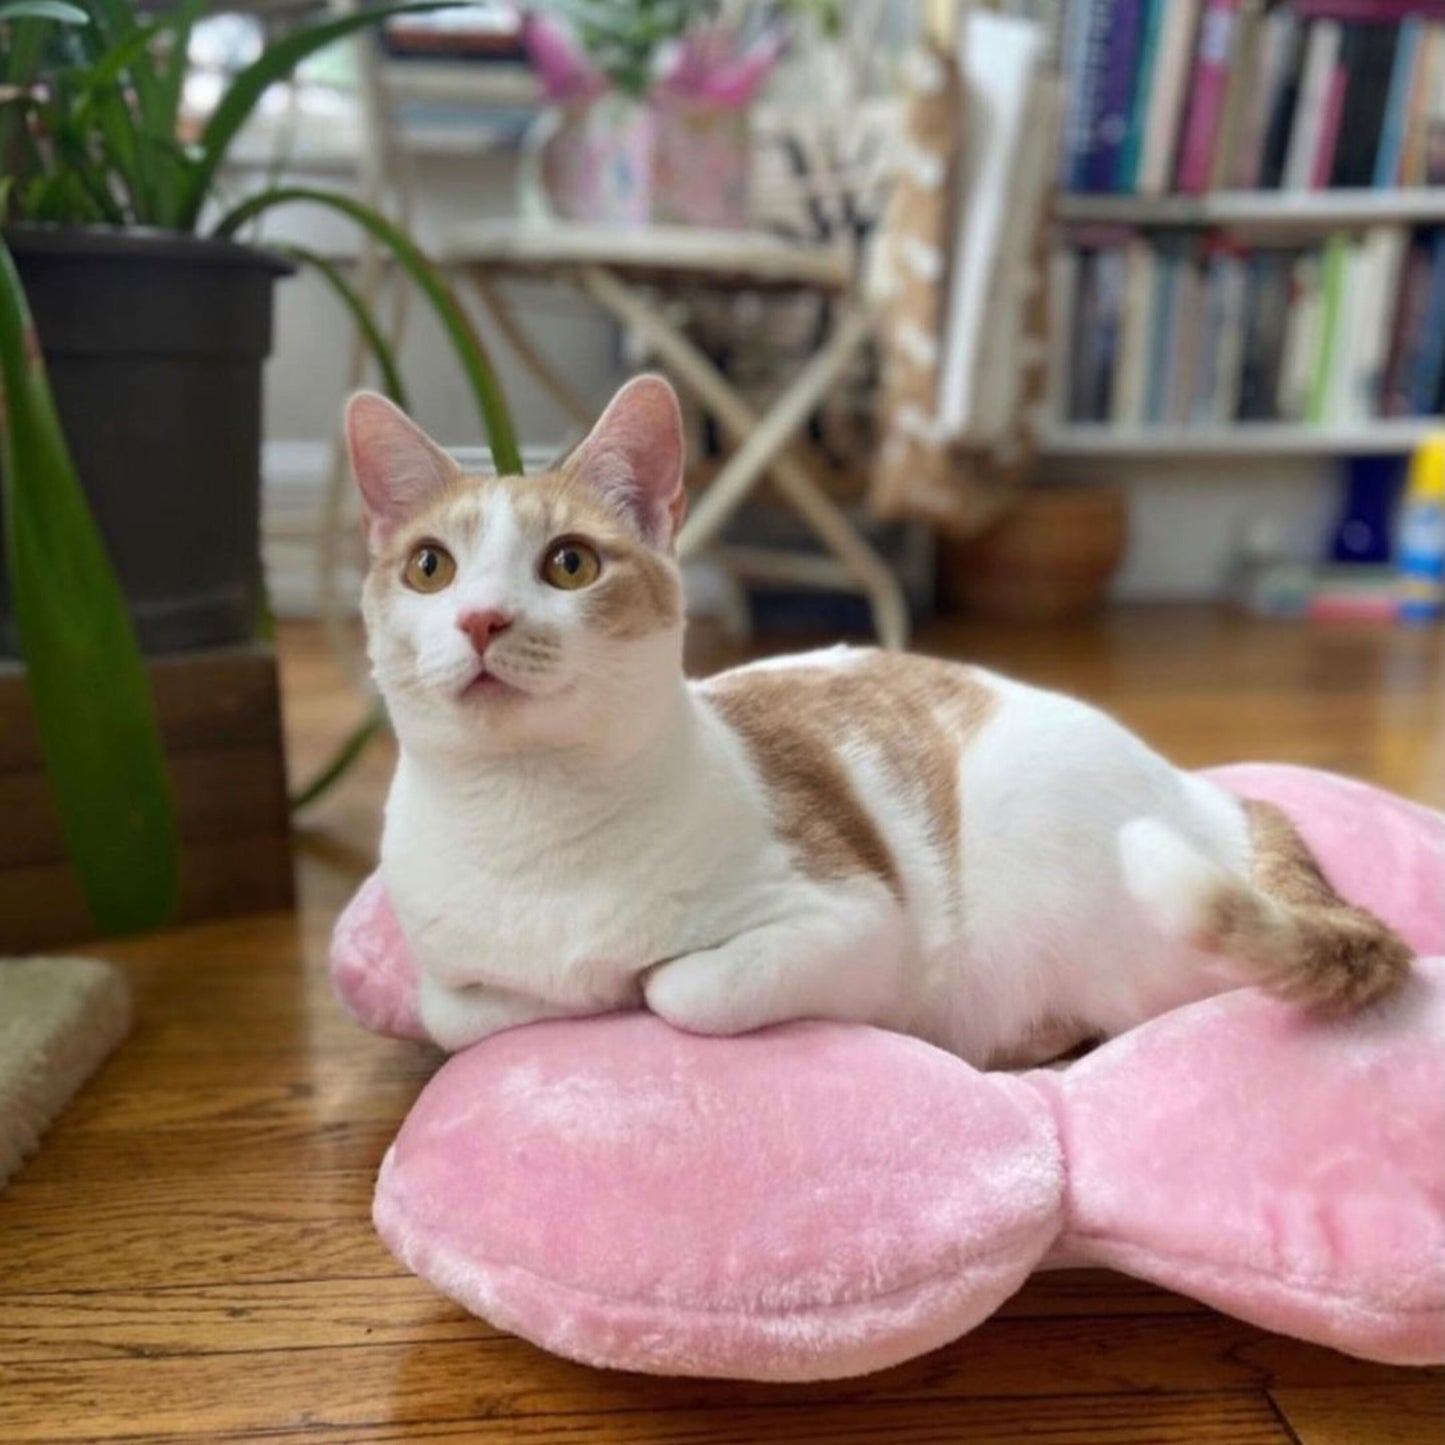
<point>429,568</point>
<point>571,565</point>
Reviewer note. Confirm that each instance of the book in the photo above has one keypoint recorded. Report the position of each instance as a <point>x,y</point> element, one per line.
<point>1167,95</point>
<point>1198,409</point>
<point>1212,54</point>
<point>1116,96</point>
<point>1162,309</point>
<point>1185,347</point>
<point>1081,345</point>
<point>1370,62</point>
<point>1381,259</point>
<point>1266,309</point>
<point>1386,171</point>
<point>1131,377</point>
<point>1428,363</point>
<point>1333,275</point>
<point>1063,301</point>
<point>1073,64</point>
<point>1226,376</point>
<point>1131,152</point>
<point>1427,67</point>
<point>1278,39</point>
<point>1091,80</point>
<point>1336,89</point>
<point>1321,56</point>
<point>1302,338</point>
<point>1284,107</point>
<point>1241,81</point>
<point>1411,315</point>
<point>1434,157</point>
<point>1109,286</point>
<point>1340,390</point>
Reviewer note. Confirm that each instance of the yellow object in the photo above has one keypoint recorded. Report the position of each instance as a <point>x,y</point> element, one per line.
<point>1420,545</point>
<point>1426,481</point>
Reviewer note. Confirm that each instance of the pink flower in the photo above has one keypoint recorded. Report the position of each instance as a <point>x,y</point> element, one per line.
<point>567,76</point>
<point>703,68</point>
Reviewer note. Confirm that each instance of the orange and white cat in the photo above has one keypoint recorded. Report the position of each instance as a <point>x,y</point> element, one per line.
<point>576,827</point>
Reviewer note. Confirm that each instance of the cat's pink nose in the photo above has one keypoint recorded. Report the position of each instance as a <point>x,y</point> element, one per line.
<point>481,627</point>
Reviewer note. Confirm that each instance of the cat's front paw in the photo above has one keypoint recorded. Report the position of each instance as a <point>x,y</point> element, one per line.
<point>456,1018</point>
<point>714,991</point>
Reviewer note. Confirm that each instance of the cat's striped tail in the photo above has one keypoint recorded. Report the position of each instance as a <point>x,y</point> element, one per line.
<point>1284,927</point>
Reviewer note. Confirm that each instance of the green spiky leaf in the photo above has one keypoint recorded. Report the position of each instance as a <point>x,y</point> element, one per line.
<point>97,725</point>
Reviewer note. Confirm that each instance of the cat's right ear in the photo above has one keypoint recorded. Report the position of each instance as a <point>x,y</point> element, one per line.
<point>397,466</point>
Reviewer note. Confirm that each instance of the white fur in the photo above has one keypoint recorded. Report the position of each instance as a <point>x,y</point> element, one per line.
<point>602,839</point>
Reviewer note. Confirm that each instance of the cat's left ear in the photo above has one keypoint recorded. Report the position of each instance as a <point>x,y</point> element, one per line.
<point>398,467</point>
<point>634,458</point>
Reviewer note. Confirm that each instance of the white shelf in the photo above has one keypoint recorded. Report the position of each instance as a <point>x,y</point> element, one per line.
<point>1247,439</point>
<point>1259,210</point>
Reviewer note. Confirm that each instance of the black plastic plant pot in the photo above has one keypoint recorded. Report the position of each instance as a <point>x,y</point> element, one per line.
<point>154,343</point>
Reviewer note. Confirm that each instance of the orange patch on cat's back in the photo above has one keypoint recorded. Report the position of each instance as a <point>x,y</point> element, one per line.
<point>915,714</point>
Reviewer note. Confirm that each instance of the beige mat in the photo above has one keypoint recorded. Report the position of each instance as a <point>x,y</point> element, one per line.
<point>59,1019</point>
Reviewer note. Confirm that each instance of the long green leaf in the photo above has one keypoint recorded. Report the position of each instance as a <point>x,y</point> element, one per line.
<point>380,348</point>
<point>276,63</point>
<point>42,10</point>
<point>119,20</point>
<point>491,403</point>
<point>98,733</point>
<point>168,106</point>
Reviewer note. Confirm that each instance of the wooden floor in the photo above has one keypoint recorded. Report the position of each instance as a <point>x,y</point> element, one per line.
<point>191,1258</point>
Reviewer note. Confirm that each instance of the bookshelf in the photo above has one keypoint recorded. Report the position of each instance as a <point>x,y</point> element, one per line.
<point>1257,211</point>
<point>1250,229</point>
<point>1244,440</point>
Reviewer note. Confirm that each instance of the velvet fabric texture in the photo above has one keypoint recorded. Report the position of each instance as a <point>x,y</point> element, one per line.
<point>821,1200</point>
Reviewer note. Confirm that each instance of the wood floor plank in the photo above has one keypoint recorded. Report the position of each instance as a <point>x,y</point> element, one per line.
<point>233,1318</point>
<point>1084,1292</point>
<point>364,1386</point>
<point>246,1315</point>
<point>199,1231</point>
<point>1409,1413</point>
<point>1097,1420</point>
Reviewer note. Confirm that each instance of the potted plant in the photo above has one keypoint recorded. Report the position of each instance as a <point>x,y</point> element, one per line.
<point>132,333</point>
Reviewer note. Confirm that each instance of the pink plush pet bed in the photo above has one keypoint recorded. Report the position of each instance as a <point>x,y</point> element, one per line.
<point>820,1200</point>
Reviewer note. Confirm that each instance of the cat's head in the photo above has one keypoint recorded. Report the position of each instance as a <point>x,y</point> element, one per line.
<point>515,614</point>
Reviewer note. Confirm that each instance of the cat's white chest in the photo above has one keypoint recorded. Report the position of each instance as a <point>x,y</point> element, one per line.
<point>482,904</point>
<point>471,921</point>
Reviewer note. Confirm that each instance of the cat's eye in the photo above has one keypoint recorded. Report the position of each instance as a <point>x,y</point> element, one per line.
<point>429,568</point>
<point>571,565</point>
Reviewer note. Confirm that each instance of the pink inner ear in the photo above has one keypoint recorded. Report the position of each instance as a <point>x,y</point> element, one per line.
<point>633,458</point>
<point>398,468</point>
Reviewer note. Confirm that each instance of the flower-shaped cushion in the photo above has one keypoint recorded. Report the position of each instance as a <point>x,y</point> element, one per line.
<point>820,1199</point>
